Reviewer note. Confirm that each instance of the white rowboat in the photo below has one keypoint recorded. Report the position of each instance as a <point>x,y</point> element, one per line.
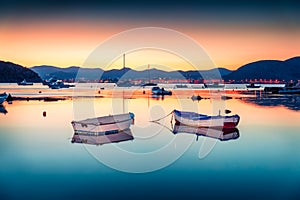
<point>103,125</point>
<point>198,120</point>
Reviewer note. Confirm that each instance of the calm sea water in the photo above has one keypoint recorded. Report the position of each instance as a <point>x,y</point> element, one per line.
<point>38,160</point>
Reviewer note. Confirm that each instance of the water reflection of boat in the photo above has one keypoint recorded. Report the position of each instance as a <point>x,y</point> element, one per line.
<point>24,82</point>
<point>103,125</point>
<point>158,97</point>
<point>124,135</point>
<point>221,134</point>
<point>200,120</point>
<point>2,109</point>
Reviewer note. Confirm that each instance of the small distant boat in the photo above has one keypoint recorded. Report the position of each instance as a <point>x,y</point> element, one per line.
<point>59,84</point>
<point>199,120</point>
<point>24,82</point>
<point>103,139</point>
<point>103,125</point>
<point>196,97</point>
<point>160,91</point>
<point>49,81</point>
<point>3,97</point>
<point>224,97</point>
<point>252,85</point>
<point>149,84</point>
<point>221,134</point>
<point>214,85</point>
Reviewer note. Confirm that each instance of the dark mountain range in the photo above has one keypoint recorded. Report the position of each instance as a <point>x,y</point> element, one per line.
<point>47,72</point>
<point>268,69</point>
<point>215,73</point>
<point>12,73</point>
<point>264,69</point>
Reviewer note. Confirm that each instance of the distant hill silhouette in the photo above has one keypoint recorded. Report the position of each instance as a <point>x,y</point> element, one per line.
<point>12,73</point>
<point>215,73</point>
<point>264,69</point>
<point>47,72</point>
<point>268,69</point>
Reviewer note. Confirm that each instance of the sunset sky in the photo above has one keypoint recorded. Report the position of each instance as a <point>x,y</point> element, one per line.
<point>64,34</point>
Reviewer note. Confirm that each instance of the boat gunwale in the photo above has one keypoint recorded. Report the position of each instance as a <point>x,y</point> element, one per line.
<point>205,117</point>
<point>97,124</point>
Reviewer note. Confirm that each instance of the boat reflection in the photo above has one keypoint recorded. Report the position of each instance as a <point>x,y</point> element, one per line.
<point>158,97</point>
<point>2,109</point>
<point>221,134</point>
<point>102,139</point>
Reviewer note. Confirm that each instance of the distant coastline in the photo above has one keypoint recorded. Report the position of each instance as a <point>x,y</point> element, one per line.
<point>264,71</point>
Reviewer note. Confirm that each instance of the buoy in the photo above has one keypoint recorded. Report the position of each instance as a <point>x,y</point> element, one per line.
<point>144,92</point>
<point>227,111</point>
<point>44,114</point>
<point>99,92</point>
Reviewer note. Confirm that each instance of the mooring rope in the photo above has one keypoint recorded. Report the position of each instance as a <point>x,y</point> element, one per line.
<point>164,126</point>
<point>162,117</point>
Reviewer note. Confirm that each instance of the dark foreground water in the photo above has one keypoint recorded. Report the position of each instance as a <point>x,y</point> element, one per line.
<point>38,160</point>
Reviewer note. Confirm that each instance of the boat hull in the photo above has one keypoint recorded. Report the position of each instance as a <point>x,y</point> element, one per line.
<point>103,125</point>
<point>215,85</point>
<point>161,93</point>
<point>253,86</point>
<point>198,120</point>
<point>24,84</point>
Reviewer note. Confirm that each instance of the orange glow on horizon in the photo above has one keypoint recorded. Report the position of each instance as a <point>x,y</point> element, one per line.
<point>65,43</point>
